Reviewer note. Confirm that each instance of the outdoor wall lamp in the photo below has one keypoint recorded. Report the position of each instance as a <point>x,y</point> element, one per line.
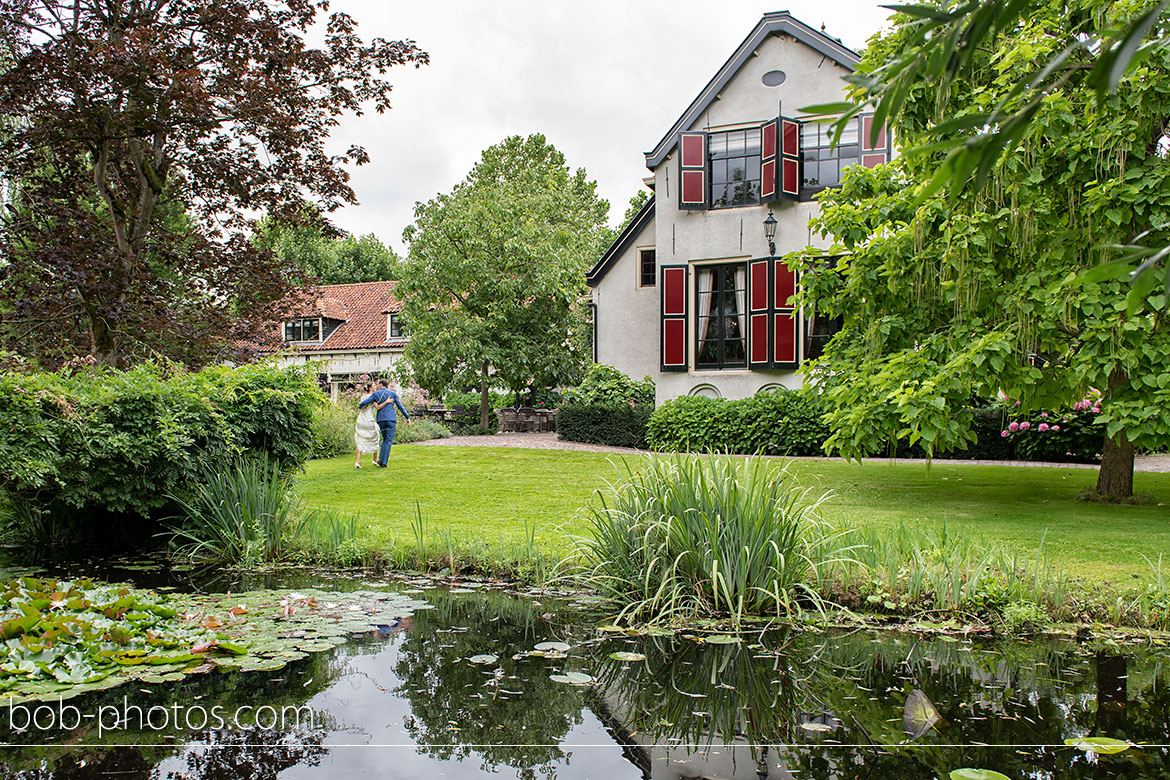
<point>770,233</point>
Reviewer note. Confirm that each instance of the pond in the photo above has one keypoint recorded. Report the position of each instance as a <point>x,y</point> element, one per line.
<point>460,689</point>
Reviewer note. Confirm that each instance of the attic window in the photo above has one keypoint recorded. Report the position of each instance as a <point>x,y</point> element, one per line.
<point>393,327</point>
<point>304,329</point>
<point>735,167</point>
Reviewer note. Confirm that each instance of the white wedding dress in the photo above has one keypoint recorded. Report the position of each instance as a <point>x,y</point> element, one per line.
<point>365,433</point>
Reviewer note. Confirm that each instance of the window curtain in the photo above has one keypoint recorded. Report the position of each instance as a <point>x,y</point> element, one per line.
<point>704,280</point>
<point>741,299</point>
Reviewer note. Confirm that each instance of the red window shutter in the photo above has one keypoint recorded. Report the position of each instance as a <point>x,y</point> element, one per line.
<point>785,325</point>
<point>692,170</point>
<point>785,318</point>
<point>769,152</point>
<point>874,150</point>
<point>759,312</point>
<point>674,318</point>
<point>789,158</point>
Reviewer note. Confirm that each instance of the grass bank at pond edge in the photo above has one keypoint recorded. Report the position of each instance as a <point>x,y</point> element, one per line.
<point>506,511</point>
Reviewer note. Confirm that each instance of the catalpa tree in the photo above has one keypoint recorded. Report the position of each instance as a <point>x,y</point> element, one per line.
<point>141,136</point>
<point>1011,288</point>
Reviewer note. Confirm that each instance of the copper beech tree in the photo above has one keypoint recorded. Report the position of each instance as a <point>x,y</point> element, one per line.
<point>138,141</point>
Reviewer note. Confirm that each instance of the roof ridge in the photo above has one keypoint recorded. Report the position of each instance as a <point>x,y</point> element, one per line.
<point>772,22</point>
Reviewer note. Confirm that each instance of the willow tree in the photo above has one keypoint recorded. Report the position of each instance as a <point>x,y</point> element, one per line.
<point>1012,288</point>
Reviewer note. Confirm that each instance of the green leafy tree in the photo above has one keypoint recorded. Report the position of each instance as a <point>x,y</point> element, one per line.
<point>494,280</point>
<point>1003,289</point>
<point>943,41</point>
<point>637,201</point>
<point>326,259</point>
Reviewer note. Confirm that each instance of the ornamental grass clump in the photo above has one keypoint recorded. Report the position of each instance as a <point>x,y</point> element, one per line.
<point>711,535</point>
<point>245,514</point>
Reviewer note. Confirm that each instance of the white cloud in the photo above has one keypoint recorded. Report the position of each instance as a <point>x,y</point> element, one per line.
<point>602,80</point>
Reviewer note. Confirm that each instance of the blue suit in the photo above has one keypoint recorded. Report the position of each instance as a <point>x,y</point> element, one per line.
<point>387,419</point>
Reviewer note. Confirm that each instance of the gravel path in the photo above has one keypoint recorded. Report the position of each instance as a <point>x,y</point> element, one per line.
<point>549,441</point>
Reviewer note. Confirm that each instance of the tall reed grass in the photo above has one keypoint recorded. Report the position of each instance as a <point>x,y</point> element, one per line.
<point>715,535</point>
<point>245,514</point>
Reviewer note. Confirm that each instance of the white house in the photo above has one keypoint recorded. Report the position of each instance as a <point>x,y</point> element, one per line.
<point>690,293</point>
<point>350,329</point>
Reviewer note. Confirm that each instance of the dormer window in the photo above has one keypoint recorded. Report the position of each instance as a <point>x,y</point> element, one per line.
<point>393,327</point>
<point>303,329</point>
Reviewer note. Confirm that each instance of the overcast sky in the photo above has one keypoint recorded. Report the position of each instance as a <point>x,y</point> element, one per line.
<point>602,79</point>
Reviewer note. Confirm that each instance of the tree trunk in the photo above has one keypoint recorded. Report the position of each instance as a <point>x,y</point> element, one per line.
<point>485,405</point>
<point>1115,479</point>
<point>1111,694</point>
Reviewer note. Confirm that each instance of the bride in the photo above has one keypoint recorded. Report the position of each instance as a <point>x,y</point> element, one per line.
<point>365,432</point>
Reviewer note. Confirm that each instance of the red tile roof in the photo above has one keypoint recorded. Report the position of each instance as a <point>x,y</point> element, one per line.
<point>362,308</point>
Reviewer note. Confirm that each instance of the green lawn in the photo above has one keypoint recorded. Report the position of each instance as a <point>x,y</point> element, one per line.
<point>487,495</point>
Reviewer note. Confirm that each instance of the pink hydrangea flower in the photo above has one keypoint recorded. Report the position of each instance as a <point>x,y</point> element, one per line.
<point>1097,409</point>
<point>1056,427</point>
<point>1013,426</point>
<point>1042,427</point>
<point>1025,425</point>
<point>1043,415</point>
<point>1003,434</point>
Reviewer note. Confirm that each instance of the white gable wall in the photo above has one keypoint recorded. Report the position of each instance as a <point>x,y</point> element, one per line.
<point>693,237</point>
<point>627,315</point>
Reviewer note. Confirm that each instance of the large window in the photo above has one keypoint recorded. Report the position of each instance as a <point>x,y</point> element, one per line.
<point>303,330</point>
<point>720,322</point>
<point>735,167</point>
<point>821,161</point>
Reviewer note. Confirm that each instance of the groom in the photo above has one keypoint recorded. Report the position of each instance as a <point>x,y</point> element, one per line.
<point>387,418</point>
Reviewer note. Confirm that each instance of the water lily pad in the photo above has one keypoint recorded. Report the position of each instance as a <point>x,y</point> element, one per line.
<point>977,774</point>
<point>625,656</point>
<point>1106,746</point>
<point>572,678</point>
<point>722,639</point>
<point>484,658</point>
<point>553,647</point>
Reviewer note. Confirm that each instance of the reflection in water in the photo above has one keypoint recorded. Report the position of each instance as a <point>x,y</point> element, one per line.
<point>830,707</point>
<point>405,701</point>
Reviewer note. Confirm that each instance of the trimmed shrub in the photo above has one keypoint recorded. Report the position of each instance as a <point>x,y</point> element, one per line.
<point>120,441</point>
<point>606,408</point>
<point>781,422</point>
<point>606,386</point>
<point>613,426</point>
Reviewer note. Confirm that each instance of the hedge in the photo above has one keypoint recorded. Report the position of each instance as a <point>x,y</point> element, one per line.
<point>120,441</point>
<point>621,426</point>
<point>781,422</point>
